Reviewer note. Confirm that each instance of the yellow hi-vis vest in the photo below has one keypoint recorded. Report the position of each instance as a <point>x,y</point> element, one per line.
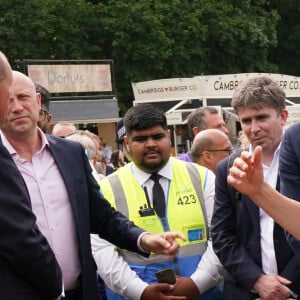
<point>185,209</point>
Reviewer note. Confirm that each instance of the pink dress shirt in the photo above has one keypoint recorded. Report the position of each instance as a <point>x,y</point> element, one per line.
<point>52,207</point>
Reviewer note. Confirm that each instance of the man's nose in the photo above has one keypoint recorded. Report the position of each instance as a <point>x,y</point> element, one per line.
<point>225,130</point>
<point>150,142</point>
<point>15,103</point>
<point>255,126</point>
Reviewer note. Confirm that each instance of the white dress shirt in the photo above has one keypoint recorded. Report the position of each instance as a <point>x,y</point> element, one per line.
<point>269,263</point>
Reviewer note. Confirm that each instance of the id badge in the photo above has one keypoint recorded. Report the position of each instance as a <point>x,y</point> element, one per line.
<point>195,234</point>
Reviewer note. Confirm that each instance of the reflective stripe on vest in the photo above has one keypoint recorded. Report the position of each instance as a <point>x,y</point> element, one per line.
<point>123,181</point>
<point>195,178</point>
<point>184,251</point>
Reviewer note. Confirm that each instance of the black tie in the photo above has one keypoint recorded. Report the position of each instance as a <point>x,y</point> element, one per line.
<point>158,196</point>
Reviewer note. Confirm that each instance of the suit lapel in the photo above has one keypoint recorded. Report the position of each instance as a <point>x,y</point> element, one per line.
<point>253,209</point>
<point>62,160</point>
<point>8,166</point>
<point>280,242</point>
<point>253,212</point>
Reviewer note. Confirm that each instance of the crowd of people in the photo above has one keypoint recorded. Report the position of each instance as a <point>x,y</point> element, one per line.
<point>77,226</point>
<point>51,203</point>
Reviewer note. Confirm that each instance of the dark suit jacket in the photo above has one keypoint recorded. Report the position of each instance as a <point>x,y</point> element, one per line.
<point>28,268</point>
<point>289,168</point>
<point>236,241</point>
<point>92,213</point>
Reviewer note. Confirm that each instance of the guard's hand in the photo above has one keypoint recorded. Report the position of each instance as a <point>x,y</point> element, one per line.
<point>185,286</point>
<point>164,243</point>
<point>160,291</point>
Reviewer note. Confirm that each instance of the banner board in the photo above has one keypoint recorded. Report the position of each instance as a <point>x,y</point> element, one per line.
<point>167,89</point>
<point>72,78</point>
<point>206,87</point>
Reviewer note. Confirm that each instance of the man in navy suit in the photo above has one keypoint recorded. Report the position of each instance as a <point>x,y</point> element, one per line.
<point>28,268</point>
<point>65,197</point>
<point>250,245</point>
<point>246,176</point>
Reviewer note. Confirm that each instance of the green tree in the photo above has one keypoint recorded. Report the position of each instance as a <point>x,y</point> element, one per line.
<point>147,39</point>
<point>181,38</point>
<point>48,29</point>
<point>287,55</point>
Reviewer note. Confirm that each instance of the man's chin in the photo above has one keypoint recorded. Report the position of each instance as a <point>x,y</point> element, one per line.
<point>153,166</point>
<point>258,143</point>
<point>15,131</point>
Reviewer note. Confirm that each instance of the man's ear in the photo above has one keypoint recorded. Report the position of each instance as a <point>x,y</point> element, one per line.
<point>126,142</point>
<point>206,155</point>
<point>284,115</point>
<point>196,130</point>
<point>49,118</point>
<point>169,136</point>
<point>169,133</point>
<point>39,99</point>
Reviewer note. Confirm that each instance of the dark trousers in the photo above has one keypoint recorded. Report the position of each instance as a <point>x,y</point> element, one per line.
<point>76,294</point>
<point>73,295</point>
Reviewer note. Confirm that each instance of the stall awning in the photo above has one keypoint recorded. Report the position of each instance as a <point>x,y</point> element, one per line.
<point>85,111</point>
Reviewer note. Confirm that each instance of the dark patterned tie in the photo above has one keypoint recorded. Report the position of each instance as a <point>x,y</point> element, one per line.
<point>158,196</point>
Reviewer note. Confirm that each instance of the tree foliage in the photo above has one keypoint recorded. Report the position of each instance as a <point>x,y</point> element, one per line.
<point>287,54</point>
<point>151,39</point>
<point>48,29</point>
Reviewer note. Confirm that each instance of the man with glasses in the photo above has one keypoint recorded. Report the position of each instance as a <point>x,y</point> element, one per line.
<point>200,119</point>
<point>63,129</point>
<point>250,245</point>
<point>45,117</point>
<point>209,147</point>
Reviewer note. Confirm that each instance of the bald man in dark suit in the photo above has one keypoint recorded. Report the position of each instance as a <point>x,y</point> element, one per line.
<point>28,267</point>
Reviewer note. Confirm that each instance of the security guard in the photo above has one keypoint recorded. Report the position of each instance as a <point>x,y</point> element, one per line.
<point>159,194</point>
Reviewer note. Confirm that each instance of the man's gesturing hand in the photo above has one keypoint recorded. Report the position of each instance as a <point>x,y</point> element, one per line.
<point>164,243</point>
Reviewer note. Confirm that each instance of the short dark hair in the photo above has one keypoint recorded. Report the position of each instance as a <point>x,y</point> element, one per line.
<point>45,95</point>
<point>114,159</point>
<point>197,118</point>
<point>144,116</point>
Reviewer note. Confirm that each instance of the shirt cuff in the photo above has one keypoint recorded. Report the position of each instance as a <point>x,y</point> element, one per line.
<point>205,281</point>
<point>135,289</point>
<point>202,282</point>
<point>139,242</point>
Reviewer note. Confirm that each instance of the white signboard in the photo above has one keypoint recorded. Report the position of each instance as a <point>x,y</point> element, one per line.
<point>223,86</point>
<point>206,87</point>
<point>167,89</point>
<point>72,78</point>
<point>294,115</point>
<point>174,117</point>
